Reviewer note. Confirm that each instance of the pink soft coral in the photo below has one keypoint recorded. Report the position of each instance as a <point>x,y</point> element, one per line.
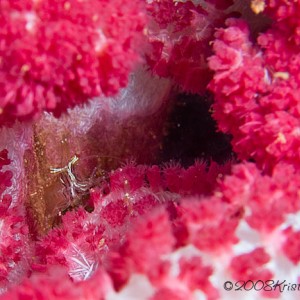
<point>256,88</point>
<point>85,240</point>
<point>226,236</point>
<point>179,33</point>
<point>152,232</point>
<point>56,54</point>
<point>55,284</point>
<point>14,242</point>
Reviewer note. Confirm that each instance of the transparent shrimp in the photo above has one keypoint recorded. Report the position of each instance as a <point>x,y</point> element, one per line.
<point>68,179</point>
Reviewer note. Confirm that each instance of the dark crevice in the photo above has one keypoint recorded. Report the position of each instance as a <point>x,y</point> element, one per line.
<point>192,133</point>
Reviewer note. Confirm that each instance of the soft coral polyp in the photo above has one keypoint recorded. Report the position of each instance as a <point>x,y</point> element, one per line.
<point>57,54</point>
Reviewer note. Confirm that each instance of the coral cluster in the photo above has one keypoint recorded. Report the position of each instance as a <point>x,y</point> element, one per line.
<point>14,236</point>
<point>91,204</point>
<point>179,33</point>
<point>256,86</point>
<point>57,54</point>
